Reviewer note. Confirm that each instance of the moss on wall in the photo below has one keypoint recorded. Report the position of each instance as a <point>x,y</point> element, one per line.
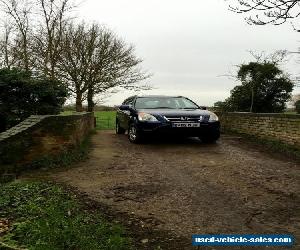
<point>280,128</point>
<point>42,137</point>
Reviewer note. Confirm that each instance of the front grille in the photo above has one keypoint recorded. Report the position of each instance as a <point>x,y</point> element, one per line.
<point>201,118</point>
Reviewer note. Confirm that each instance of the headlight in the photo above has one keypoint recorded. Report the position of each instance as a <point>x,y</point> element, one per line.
<point>213,117</point>
<point>146,117</point>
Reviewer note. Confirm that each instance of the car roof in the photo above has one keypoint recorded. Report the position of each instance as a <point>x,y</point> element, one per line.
<point>163,96</point>
<point>149,96</point>
<point>134,97</point>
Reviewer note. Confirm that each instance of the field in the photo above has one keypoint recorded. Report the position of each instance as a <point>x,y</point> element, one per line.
<point>105,119</point>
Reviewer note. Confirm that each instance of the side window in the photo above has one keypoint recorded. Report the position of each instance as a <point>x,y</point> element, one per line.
<point>129,101</point>
<point>126,102</point>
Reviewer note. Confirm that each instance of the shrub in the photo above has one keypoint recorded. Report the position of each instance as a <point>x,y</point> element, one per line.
<point>22,95</point>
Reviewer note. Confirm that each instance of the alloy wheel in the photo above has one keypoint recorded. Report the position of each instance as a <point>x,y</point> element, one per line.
<point>132,133</point>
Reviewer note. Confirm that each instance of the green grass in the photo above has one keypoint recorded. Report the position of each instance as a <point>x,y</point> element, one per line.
<point>45,216</point>
<point>67,113</point>
<point>105,119</point>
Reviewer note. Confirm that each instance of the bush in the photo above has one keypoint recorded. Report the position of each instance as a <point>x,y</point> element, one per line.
<point>264,88</point>
<point>22,95</point>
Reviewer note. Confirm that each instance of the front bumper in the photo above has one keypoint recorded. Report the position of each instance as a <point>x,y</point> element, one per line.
<point>205,128</point>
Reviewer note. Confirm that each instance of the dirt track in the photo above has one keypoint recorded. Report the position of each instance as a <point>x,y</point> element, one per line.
<point>186,187</point>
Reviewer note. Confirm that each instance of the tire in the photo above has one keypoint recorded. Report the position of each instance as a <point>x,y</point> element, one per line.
<point>119,130</point>
<point>134,135</point>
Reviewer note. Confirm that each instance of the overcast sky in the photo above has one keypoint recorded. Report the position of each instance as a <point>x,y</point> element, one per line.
<point>188,45</point>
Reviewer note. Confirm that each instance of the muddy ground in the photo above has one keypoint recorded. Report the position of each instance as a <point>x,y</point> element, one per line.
<point>165,191</point>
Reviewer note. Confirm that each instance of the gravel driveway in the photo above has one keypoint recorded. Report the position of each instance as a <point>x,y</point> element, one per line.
<point>186,187</point>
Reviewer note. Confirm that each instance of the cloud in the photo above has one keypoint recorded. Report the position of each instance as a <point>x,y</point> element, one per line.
<point>187,45</point>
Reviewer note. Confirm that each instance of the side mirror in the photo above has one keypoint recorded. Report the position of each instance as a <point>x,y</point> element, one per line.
<point>203,107</point>
<point>125,107</point>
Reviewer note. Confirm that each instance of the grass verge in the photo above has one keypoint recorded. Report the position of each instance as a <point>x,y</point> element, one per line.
<point>35,215</point>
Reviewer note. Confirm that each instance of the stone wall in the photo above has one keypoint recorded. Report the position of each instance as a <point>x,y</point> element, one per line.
<point>40,136</point>
<point>276,127</point>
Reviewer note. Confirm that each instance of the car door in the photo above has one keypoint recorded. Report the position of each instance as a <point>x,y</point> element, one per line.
<point>121,116</point>
<point>124,115</point>
<point>127,113</point>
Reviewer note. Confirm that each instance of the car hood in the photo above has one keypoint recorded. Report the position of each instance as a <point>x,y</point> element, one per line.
<point>176,112</point>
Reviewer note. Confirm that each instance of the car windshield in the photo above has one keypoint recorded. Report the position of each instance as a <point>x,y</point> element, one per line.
<point>164,103</point>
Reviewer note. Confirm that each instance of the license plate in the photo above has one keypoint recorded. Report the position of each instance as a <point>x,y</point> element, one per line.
<point>185,125</point>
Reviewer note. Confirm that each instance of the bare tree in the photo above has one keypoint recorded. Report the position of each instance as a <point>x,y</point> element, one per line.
<point>6,59</point>
<point>19,12</point>
<point>90,59</point>
<point>267,11</point>
<point>93,61</point>
<point>35,39</point>
<point>277,57</point>
<point>49,34</point>
<point>115,66</point>
<point>74,61</point>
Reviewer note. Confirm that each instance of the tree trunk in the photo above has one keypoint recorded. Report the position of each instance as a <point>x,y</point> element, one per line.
<point>90,96</point>
<point>26,59</point>
<point>79,102</point>
<point>252,99</point>
<point>6,56</point>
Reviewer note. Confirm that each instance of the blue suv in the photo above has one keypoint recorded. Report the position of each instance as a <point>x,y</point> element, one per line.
<point>142,116</point>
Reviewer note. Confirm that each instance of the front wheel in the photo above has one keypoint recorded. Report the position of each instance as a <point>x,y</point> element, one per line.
<point>134,135</point>
<point>119,130</point>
